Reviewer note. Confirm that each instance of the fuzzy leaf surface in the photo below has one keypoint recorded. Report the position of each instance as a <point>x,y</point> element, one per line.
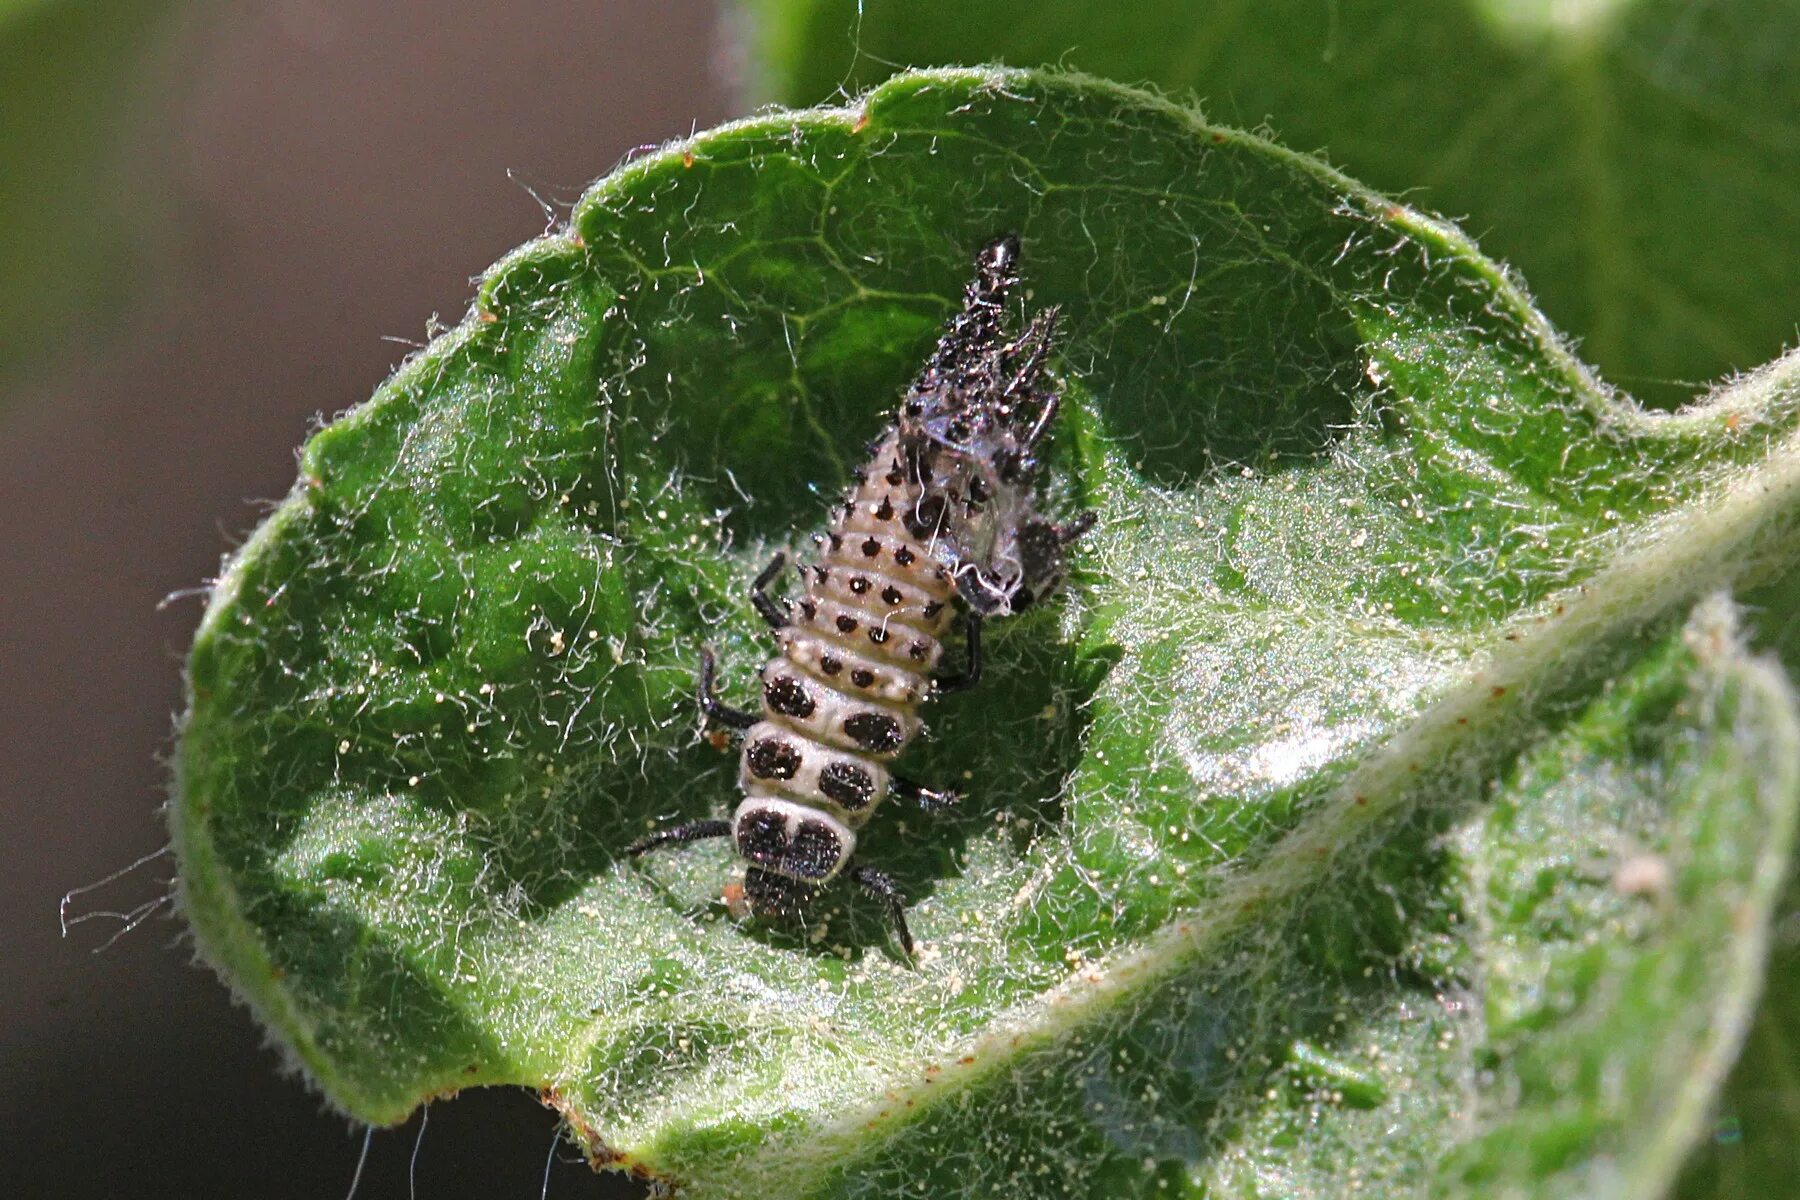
<point>1634,158</point>
<point>1372,672</point>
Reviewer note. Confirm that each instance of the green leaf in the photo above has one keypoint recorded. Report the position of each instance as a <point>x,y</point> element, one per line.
<point>1754,1135</point>
<point>1634,158</point>
<point>72,225</point>
<point>1643,823</point>
<point>1755,1132</point>
<point>1371,673</point>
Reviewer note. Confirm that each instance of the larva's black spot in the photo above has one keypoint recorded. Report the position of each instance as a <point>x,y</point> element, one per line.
<point>847,784</point>
<point>830,665</point>
<point>787,696</point>
<point>772,758</point>
<point>933,608</point>
<point>871,548</point>
<point>862,677</point>
<point>891,595</point>
<point>859,585</point>
<point>920,649</point>
<point>814,851</point>
<point>877,634</point>
<point>846,623</point>
<point>978,489</point>
<point>895,478</point>
<point>819,574</point>
<point>761,834</point>
<point>904,557</point>
<point>808,609</point>
<point>837,541</point>
<point>873,731</point>
<point>886,511</point>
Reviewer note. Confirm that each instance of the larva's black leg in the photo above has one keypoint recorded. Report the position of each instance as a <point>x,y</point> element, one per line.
<point>882,888</point>
<point>676,835</point>
<point>929,799</point>
<point>710,704</point>
<point>767,605</point>
<point>970,675</point>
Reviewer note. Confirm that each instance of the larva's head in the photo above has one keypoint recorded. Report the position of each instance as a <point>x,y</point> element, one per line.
<point>772,897</point>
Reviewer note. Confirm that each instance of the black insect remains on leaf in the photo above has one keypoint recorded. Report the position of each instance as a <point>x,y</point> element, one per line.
<point>942,519</point>
<point>970,429</point>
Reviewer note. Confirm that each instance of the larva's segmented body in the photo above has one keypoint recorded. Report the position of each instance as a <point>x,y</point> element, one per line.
<point>841,698</point>
<point>941,520</point>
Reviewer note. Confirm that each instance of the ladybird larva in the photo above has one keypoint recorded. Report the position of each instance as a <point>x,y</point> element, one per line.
<point>941,521</point>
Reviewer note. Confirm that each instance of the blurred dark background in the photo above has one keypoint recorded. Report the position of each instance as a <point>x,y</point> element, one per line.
<point>285,184</point>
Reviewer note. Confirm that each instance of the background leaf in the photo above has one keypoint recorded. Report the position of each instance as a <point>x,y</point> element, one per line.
<point>1633,157</point>
<point>1386,592</point>
<point>71,228</point>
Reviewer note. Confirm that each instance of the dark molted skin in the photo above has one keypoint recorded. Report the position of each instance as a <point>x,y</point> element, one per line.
<point>976,418</point>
